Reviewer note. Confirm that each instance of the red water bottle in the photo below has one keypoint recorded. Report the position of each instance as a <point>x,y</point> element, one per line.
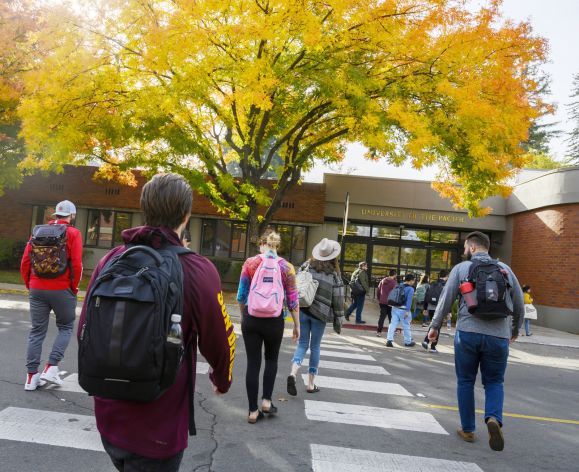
<point>467,289</point>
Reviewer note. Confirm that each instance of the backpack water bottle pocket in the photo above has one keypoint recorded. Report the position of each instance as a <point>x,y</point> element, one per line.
<point>173,354</point>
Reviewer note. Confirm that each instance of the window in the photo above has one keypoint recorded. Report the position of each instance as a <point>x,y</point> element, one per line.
<point>415,234</point>
<point>44,214</point>
<point>104,227</point>
<point>223,239</point>
<point>442,259</point>
<point>386,232</point>
<point>238,240</point>
<point>444,237</point>
<point>293,242</point>
<point>355,252</point>
<point>385,255</point>
<point>357,230</point>
<point>412,257</point>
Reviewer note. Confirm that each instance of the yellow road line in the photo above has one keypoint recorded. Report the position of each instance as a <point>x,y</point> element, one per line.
<point>512,415</point>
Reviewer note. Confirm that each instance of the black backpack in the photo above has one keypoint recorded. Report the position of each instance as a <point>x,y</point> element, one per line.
<point>397,297</point>
<point>491,285</point>
<point>123,349</point>
<point>434,292</point>
<point>48,256</point>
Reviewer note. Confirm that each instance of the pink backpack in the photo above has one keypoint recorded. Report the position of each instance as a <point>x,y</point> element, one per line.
<point>266,294</point>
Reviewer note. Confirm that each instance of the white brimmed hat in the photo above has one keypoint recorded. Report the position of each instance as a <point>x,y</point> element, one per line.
<point>326,250</point>
<point>65,208</point>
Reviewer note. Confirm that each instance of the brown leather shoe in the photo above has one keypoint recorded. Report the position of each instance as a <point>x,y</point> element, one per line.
<point>496,439</point>
<point>468,437</point>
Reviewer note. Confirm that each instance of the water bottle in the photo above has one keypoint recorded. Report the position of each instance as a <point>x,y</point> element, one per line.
<point>467,289</point>
<point>175,333</point>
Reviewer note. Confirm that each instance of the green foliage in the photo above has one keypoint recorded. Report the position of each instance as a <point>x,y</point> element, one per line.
<point>573,139</point>
<point>542,161</point>
<point>229,270</point>
<point>11,253</point>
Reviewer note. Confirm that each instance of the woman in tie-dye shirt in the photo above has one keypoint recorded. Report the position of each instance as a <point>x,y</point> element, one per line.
<point>265,331</point>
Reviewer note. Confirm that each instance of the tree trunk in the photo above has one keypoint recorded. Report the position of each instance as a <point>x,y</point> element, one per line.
<point>253,231</point>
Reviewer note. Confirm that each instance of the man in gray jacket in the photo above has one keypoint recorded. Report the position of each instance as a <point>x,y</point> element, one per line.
<point>480,342</point>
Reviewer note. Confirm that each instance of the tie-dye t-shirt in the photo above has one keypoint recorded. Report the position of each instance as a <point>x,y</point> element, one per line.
<point>288,277</point>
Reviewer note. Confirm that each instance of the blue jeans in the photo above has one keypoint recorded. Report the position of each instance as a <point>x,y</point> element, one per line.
<point>527,326</point>
<point>400,317</point>
<point>358,304</point>
<point>471,351</point>
<point>311,332</point>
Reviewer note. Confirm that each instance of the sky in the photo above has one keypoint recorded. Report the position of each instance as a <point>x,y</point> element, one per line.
<point>555,20</point>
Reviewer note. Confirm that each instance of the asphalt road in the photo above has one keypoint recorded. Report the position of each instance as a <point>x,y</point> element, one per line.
<point>401,421</point>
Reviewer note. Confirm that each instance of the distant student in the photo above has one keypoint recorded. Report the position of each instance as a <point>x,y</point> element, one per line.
<point>384,288</point>
<point>401,315</point>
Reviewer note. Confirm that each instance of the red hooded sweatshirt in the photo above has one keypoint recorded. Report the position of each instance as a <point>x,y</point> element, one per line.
<point>71,278</point>
<point>159,429</point>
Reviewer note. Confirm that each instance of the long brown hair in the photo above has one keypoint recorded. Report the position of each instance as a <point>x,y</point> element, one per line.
<point>328,267</point>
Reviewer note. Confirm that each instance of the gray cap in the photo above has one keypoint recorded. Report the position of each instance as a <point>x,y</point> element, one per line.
<point>65,208</point>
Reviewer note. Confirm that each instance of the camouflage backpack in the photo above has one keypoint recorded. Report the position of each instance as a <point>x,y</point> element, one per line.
<point>48,254</point>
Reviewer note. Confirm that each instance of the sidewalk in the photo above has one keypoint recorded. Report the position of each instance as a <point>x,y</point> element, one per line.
<point>541,335</point>
<point>371,313</point>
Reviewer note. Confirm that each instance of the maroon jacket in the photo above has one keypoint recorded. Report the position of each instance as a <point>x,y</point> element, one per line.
<point>159,429</point>
<point>384,288</point>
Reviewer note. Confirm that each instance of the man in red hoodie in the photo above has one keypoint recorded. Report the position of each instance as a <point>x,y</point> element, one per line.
<point>153,435</point>
<point>52,293</point>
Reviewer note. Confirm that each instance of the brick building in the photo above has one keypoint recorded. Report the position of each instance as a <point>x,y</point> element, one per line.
<point>400,224</point>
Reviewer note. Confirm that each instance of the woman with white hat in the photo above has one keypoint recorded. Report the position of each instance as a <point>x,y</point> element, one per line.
<point>327,307</point>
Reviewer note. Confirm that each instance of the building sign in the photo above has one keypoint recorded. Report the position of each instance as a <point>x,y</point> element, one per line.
<point>414,216</point>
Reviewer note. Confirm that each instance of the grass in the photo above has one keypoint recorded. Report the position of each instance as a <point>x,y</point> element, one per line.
<point>13,277</point>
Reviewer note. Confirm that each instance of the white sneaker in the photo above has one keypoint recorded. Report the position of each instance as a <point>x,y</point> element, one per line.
<point>33,381</point>
<point>51,375</point>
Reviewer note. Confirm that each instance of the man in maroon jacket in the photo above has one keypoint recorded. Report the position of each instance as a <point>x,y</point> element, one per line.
<point>384,288</point>
<point>57,294</point>
<point>153,436</point>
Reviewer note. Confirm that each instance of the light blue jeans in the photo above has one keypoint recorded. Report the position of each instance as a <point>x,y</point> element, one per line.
<point>527,326</point>
<point>400,317</point>
<point>311,332</point>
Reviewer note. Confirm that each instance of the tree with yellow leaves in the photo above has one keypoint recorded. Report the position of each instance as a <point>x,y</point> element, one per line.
<point>16,22</point>
<point>273,87</point>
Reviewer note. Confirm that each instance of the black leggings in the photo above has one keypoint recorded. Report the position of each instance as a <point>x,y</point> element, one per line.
<point>385,311</point>
<point>258,332</point>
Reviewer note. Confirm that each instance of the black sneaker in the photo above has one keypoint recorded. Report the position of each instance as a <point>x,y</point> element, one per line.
<point>389,344</point>
<point>424,344</point>
<point>410,344</point>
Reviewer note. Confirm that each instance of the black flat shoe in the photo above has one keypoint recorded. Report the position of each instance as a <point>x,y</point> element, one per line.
<point>272,410</point>
<point>291,386</point>
<point>251,420</point>
<point>313,390</point>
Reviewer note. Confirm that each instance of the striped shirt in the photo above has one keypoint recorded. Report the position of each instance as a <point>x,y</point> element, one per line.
<point>288,278</point>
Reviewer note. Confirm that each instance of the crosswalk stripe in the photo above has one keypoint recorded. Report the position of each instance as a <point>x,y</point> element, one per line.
<point>342,347</point>
<point>354,385</point>
<point>343,459</point>
<point>348,367</point>
<point>372,416</point>
<point>331,341</point>
<point>51,428</point>
<point>70,383</point>
<point>347,355</point>
<point>202,368</point>
<point>25,306</point>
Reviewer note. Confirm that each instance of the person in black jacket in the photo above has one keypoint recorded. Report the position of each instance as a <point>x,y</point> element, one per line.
<point>430,302</point>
